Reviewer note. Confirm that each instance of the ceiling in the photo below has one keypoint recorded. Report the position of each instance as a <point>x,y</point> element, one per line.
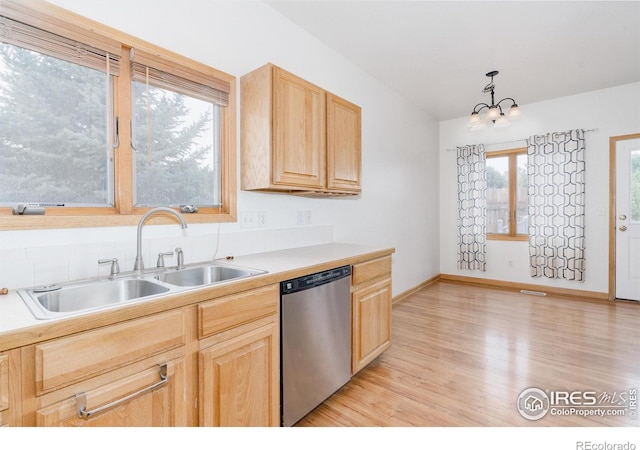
<point>437,53</point>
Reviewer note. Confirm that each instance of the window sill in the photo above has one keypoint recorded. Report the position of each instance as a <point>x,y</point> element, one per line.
<point>108,219</point>
<point>504,237</point>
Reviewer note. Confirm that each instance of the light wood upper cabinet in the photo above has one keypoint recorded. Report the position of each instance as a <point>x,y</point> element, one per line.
<point>298,132</point>
<point>296,136</point>
<point>344,149</point>
<point>371,311</point>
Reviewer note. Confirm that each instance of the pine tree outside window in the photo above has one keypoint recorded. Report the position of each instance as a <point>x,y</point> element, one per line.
<point>56,99</point>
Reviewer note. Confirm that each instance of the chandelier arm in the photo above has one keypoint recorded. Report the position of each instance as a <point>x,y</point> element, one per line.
<point>482,105</point>
<point>507,98</point>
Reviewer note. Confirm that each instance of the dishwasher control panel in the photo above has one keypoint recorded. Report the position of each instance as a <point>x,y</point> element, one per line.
<point>316,279</point>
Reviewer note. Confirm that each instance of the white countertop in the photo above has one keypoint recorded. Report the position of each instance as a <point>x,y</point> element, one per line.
<point>15,317</point>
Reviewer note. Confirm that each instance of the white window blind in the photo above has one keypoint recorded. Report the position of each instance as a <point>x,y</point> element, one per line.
<point>147,68</point>
<point>26,36</point>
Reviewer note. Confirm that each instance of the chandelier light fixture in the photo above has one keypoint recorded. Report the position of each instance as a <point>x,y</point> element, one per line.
<point>494,112</point>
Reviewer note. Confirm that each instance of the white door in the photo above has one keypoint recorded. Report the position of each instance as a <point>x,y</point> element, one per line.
<point>628,219</point>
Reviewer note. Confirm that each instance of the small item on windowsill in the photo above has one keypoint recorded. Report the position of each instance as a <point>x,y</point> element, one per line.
<point>28,209</point>
<point>229,257</point>
<point>189,209</point>
<point>4,291</point>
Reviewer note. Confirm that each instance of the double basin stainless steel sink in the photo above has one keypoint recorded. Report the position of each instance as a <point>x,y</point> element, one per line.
<point>67,299</point>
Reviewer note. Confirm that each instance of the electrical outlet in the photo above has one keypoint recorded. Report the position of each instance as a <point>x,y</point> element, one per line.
<point>307,217</point>
<point>248,219</point>
<point>301,218</point>
<point>262,219</point>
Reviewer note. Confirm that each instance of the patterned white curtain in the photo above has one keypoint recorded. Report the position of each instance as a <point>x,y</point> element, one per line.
<point>472,208</point>
<point>556,170</point>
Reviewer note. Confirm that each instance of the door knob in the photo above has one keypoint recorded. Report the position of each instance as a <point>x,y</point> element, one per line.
<point>622,228</point>
<point>622,217</point>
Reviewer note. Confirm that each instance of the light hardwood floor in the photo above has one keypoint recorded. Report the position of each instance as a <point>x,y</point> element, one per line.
<point>462,355</point>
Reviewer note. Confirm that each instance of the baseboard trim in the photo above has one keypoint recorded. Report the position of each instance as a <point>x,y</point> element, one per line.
<point>509,285</point>
<point>404,295</point>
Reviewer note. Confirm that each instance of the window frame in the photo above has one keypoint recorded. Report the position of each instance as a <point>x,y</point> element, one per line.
<point>512,154</point>
<point>65,23</point>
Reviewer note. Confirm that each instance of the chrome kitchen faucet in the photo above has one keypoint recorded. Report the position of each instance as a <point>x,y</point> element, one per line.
<point>139,264</point>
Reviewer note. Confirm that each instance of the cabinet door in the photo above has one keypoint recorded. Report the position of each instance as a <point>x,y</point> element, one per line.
<point>9,388</point>
<point>299,147</point>
<point>371,322</point>
<point>240,380</point>
<point>344,147</point>
<point>151,398</point>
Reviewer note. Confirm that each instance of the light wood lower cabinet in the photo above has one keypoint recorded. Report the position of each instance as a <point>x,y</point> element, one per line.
<point>153,397</point>
<point>216,363</point>
<point>10,388</point>
<point>371,311</point>
<point>239,380</point>
<point>239,366</point>
<point>130,374</point>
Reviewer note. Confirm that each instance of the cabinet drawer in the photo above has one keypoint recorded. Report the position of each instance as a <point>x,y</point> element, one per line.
<point>233,310</point>
<point>369,270</point>
<point>68,360</point>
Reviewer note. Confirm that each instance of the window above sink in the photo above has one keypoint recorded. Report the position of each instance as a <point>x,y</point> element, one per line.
<point>83,164</point>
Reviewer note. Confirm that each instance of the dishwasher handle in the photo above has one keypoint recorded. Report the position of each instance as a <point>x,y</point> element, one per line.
<point>314,280</point>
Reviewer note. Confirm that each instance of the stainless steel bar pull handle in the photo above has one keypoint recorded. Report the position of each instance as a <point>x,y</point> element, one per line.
<point>81,398</point>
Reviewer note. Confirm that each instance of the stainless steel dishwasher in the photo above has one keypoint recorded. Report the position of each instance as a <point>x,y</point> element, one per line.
<point>315,340</point>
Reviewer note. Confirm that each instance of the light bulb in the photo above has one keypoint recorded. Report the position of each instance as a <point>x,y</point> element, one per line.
<point>501,121</point>
<point>474,120</point>
<point>493,113</point>
<point>514,112</point>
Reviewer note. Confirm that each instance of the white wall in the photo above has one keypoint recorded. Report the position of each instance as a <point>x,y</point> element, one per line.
<point>399,203</point>
<point>613,112</point>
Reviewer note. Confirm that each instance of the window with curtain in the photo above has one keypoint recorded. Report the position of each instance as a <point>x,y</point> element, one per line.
<point>97,123</point>
<point>556,174</point>
<point>472,207</point>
